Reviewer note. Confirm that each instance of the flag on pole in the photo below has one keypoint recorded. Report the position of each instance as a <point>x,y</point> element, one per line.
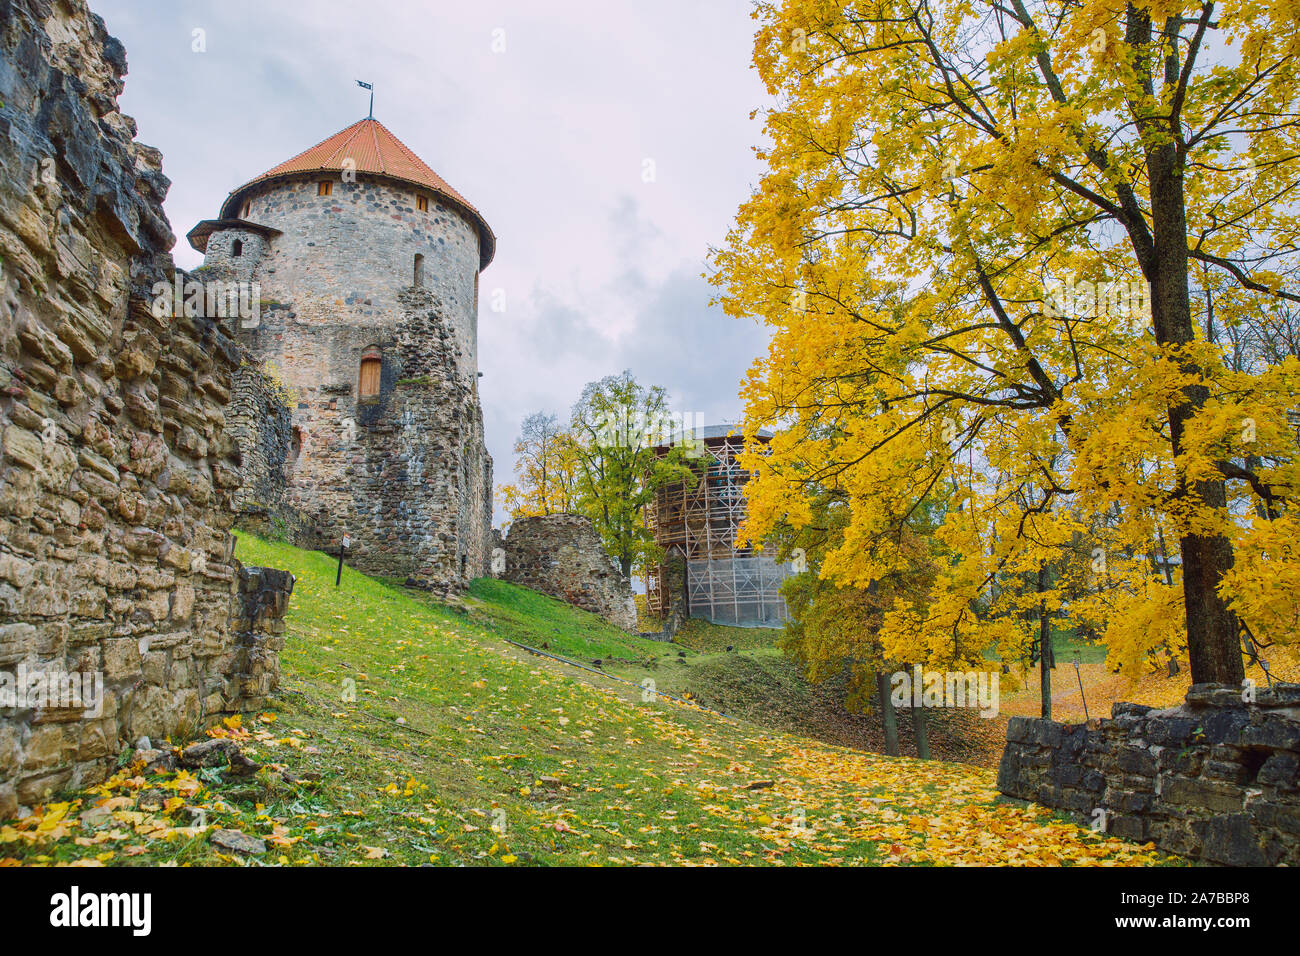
<point>371,88</point>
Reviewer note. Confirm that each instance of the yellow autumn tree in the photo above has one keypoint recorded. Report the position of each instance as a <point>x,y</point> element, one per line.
<point>1000,247</point>
<point>546,468</point>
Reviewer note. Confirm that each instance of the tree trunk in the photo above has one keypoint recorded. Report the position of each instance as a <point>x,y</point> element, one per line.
<point>1212,641</point>
<point>921,732</point>
<point>1045,659</point>
<point>887,715</point>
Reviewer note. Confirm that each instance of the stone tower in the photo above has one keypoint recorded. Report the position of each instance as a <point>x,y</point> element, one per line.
<point>365,264</point>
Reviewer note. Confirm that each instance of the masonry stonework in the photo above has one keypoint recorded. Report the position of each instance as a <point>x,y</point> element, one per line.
<point>254,664</point>
<point>116,471</point>
<point>1214,779</point>
<point>261,422</point>
<point>562,555</point>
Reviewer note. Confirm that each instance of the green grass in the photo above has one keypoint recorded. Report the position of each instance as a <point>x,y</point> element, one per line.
<point>1066,644</point>
<point>702,635</point>
<point>733,670</point>
<point>409,732</point>
<point>532,618</point>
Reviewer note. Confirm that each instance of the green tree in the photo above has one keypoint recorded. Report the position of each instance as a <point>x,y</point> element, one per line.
<point>616,425</point>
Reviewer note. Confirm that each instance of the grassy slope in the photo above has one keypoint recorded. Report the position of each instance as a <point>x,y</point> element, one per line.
<point>753,681</point>
<point>452,731</point>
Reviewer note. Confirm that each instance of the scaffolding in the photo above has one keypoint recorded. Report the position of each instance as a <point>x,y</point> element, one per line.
<point>697,525</point>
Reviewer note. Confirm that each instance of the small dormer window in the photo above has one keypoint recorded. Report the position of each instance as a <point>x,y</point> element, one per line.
<point>422,203</point>
<point>237,247</point>
<point>324,187</point>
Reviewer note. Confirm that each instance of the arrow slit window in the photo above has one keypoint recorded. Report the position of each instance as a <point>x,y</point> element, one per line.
<point>371,364</point>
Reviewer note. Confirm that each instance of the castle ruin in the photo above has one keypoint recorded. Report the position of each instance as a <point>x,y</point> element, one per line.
<point>366,266</point>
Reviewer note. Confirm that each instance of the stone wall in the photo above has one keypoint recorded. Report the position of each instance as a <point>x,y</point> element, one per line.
<point>561,555</point>
<point>261,422</point>
<point>219,261</point>
<point>1214,779</point>
<point>253,665</point>
<point>116,472</point>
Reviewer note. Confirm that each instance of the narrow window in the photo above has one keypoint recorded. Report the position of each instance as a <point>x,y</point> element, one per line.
<point>422,203</point>
<point>294,452</point>
<point>324,187</point>
<point>248,207</point>
<point>419,270</point>
<point>237,248</point>
<point>370,368</point>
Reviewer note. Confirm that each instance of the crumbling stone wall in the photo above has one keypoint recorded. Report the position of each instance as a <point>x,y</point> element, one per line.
<point>116,472</point>
<point>261,423</point>
<point>1214,779</point>
<point>253,664</point>
<point>561,555</point>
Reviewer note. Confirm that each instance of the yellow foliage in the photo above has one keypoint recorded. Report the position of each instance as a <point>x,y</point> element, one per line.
<point>951,245</point>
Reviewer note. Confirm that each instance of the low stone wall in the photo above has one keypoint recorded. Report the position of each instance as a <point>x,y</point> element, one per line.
<point>1215,779</point>
<point>561,555</point>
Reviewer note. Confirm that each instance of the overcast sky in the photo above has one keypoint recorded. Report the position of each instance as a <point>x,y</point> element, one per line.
<point>549,138</point>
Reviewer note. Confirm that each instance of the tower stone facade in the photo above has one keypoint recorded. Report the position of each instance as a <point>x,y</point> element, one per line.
<point>365,266</point>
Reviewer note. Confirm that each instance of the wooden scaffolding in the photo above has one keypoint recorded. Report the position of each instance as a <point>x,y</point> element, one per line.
<point>697,524</point>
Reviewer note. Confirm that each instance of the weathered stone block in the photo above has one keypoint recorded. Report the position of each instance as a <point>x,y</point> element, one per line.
<point>1128,827</point>
<point>1230,839</point>
<point>1281,770</point>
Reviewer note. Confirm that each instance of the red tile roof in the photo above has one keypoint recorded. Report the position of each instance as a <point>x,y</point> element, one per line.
<point>372,147</point>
